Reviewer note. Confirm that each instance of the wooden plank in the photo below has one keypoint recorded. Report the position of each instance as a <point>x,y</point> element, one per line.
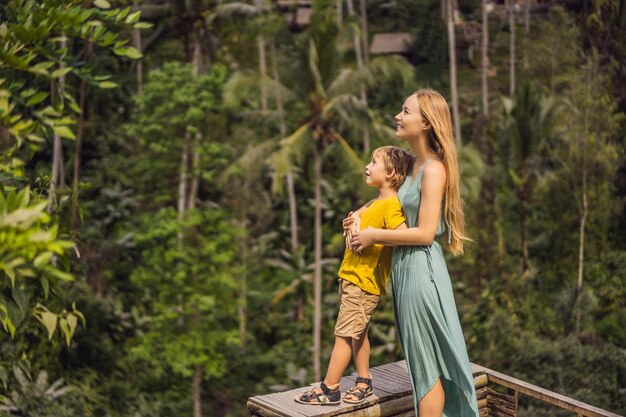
<point>264,409</point>
<point>384,409</point>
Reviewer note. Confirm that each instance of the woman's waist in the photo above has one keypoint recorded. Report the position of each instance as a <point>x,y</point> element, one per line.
<point>413,248</point>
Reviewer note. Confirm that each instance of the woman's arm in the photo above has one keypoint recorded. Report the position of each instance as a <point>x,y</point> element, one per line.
<point>432,189</point>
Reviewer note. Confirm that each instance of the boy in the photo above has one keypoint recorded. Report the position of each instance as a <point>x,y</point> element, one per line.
<point>362,280</point>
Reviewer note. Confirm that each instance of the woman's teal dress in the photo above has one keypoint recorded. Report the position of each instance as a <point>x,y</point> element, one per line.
<point>427,321</point>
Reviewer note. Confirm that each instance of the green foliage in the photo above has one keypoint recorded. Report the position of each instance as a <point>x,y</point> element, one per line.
<point>187,300</point>
<point>175,103</point>
<point>36,56</point>
<point>30,259</point>
<point>528,123</point>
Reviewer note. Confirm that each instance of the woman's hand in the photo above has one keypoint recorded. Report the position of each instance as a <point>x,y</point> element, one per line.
<point>363,239</point>
<point>351,224</point>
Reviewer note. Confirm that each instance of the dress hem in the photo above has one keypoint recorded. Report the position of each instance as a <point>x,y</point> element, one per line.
<point>458,387</point>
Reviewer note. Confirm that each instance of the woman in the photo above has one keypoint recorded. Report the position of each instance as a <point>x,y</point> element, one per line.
<point>427,321</point>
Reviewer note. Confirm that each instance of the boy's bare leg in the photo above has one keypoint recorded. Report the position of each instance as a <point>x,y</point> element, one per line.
<point>361,349</point>
<point>339,361</point>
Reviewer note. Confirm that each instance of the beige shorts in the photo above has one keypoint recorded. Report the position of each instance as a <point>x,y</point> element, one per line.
<point>355,310</point>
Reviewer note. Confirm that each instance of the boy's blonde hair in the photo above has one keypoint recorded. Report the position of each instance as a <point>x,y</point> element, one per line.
<point>396,160</point>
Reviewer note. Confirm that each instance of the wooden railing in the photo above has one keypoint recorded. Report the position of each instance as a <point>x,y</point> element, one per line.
<point>497,396</point>
<point>516,387</point>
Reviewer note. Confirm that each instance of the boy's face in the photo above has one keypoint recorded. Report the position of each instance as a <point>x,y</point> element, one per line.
<point>375,173</point>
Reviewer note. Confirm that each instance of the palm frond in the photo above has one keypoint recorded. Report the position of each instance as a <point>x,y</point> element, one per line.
<point>472,168</point>
<point>373,74</point>
<point>251,157</point>
<point>234,10</point>
<point>243,85</point>
<point>260,117</point>
<point>314,67</point>
<point>353,161</point>
<point>347,106</point>
<point>345,38</point>
<point>291,152</point>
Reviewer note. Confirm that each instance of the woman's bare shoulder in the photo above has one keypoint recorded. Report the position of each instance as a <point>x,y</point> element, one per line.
<point>436,169</point>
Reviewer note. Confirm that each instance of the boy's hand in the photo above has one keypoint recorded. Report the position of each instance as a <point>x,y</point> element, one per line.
<point>356,225</point>
<point>351,225</point>
<point>346,224</point>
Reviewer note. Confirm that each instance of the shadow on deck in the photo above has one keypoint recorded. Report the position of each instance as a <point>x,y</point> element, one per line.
<point>497,396</point>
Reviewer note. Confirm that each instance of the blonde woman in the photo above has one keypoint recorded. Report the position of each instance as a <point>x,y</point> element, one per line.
<point>426,317</point>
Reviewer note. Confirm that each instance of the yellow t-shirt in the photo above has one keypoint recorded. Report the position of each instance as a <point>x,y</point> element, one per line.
<point>370,270</point>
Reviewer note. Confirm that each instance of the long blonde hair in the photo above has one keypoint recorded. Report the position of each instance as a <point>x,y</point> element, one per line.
<point>435,110</point>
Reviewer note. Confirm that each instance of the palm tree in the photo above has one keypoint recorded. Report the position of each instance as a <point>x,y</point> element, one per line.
<point>528,122</point>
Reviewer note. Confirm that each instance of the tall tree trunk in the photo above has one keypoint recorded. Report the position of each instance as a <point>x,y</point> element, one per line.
<point>317,279</point>
<point>453,81</point>
<point>583,213</point>
<point>364,31</point>
<point>523,201</point>
<point>57,177</point>
<point>339,13</point>
<point>136,38</point>
<point>527,32</point>
<point>359,61</point>
<point>527,15</point>
<point>485,58</point>
<point>262,62</point>
<point>242,302</point>
<point>194,149</point>
<point>291,190</point>
<point>581,242</point>
<point>80,131</point>
<point>512,49</point>
<point>195,171</point>
<point>197,392</point>
<point>183,176</point>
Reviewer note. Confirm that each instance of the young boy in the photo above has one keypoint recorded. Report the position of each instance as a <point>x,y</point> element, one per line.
<point>362,279</point>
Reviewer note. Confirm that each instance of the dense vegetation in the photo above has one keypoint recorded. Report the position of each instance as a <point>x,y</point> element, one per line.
<point>214,148</point>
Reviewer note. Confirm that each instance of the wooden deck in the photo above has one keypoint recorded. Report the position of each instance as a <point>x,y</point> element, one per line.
<point>392,397</point>
<point>497,395</point>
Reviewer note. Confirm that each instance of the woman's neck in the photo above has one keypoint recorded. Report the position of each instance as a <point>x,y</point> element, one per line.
<point>421,151</point>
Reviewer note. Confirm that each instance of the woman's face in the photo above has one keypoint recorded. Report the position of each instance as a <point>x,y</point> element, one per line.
<point>409,122</point>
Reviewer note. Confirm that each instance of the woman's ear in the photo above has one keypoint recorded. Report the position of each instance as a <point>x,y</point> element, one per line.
<point>426,124</point>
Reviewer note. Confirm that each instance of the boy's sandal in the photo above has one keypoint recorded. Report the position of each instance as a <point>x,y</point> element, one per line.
<point>326,397</point>
<point>360,394</point>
